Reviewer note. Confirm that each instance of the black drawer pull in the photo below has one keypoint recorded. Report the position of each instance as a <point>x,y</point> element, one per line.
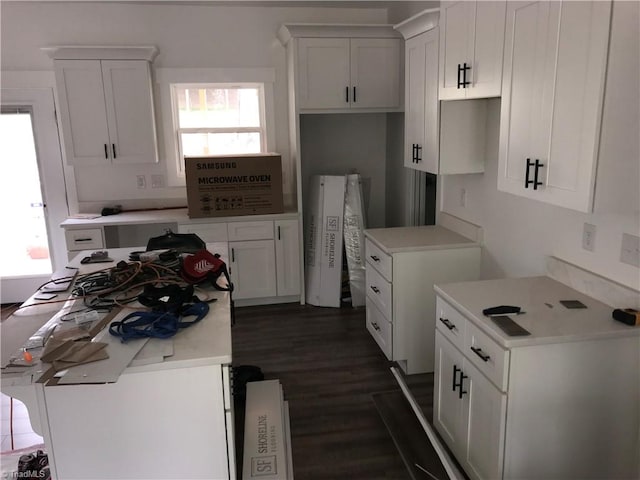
<point>448,324</point>
<point>374,258</point>
<point>462,377</point>
<point>375,289</point>
<point>481,354</point>
<point>83,240</point>
<point>106,151</point>
<point>375,326</point>
<point>454,384</point>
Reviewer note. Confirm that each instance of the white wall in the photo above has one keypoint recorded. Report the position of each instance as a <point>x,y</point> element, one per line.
<point>519,233</point>
<point>187,36</point>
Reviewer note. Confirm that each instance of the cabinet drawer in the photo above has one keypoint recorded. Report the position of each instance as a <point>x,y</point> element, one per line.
<point>380,260</point>
<point>208,232</point>
<point>250,230</point>
<point>450,323</point>
<point>487,356</point>
<point>86,239</point>
<point>380,329</point>
<point>379,291</point>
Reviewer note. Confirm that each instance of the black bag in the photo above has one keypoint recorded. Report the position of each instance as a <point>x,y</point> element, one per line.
<point>180,242</point>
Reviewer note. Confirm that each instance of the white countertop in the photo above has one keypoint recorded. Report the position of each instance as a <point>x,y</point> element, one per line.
<point>546,318</point>
<point>409,239</point>
<point>178,215</point>
<point>207,342</point>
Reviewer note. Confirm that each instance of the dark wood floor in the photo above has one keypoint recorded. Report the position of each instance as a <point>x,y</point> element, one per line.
<point>330,368</point>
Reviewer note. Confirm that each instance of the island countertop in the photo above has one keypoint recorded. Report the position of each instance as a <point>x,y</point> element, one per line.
<point>426,237</point>
<point>545,317</point>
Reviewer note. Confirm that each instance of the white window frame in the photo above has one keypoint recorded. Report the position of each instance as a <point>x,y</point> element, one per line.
<point>263,78</point>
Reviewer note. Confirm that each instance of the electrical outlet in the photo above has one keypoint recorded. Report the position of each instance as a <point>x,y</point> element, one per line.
<point>141,181</point>
<point>157,181</point>
<point>630,250</point>
<point>589,237</point>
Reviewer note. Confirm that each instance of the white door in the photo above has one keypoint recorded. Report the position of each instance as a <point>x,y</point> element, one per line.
<point>287,257</point>
<point>253,269</point>
<point>369,58</point>
<point>33,192</point>
<point>323,73</point>
<point>485,416</point>
<point>448,405</point>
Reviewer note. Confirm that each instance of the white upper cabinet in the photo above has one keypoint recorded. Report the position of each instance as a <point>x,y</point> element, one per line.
<point>421,102</point>
<point>471,46</point>
<point>106,109</point>
<point>346,68</point>
<point>553,88</point>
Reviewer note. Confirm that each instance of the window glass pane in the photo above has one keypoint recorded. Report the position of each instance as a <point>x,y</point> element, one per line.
<point>218,107</point>
<point>203,144</point>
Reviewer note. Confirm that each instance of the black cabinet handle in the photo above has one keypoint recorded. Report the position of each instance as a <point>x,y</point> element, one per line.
<point>346,94</point>
<point>459,75</point>
<point>448,324</point>
<point>537,165</point>
<point>418,148</point>
<point>375,289</point>
<point>374,258</point>
<point>375,326</point>
<point>527,173</point>
<point>113,148</point>
<point>480,353</point>
<point>233,255</point>
<point>465,82</point>
<point>454,383</point>
<point>278,232</point>
<point>462,391</point>
<point>106,151</point>
<point>354,95</point>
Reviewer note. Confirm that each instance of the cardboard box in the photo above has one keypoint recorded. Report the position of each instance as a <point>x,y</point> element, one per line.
<point>324,239</point>
<point>225,186</point>
<point>267,437</point>
<point>354,225</point>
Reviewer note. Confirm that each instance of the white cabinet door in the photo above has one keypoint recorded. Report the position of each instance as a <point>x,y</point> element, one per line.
<point>130,113</point>
<point>375,73</point>
<point>421,102</point>
<point>106,110</point>
<point>448,414</point>
<point>323,73</point>
<point>253,269</point>
<point>553,88</point>
<point>83,112</point>
<point>343,73</point>
<point>471,46</point>
<point>287,257</point>
<point>485,413</point>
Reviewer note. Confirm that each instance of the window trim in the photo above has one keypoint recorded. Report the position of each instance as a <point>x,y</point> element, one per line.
<point>197,77</point>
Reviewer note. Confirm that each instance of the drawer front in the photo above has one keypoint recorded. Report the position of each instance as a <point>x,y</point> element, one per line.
<point>380,329</point>
<point>86,239</point>
<point>450,323</point>
<point>380,260</point>
<point>250,230</point>
<point>491,359</point>
<point>379,291</point>
<point>208,232</point>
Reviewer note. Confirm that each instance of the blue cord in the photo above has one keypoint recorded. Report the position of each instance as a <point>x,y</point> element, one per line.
<point>156,324</point>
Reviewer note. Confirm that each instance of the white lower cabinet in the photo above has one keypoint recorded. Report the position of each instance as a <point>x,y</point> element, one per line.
<point>561,402</point>
<point>287,257</point>
<point>402,265</point>
<point>469,412</point>
<point>253,269</point>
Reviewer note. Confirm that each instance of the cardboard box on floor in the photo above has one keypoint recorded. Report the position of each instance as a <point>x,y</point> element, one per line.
<point>225,186</point>
<point>324,240</point>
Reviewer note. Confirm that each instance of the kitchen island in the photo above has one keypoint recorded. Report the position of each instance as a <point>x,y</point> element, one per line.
<point>561,400</point>
<point>168,414</point>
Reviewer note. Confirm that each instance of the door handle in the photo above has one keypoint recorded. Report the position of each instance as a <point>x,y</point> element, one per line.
<point>454,383</point>
<point>418,148</point>
<point>354,95</point>
<point>537,165</point>
<point>346,94</point>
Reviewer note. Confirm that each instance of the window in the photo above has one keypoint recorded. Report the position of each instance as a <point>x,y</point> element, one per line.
<point>218,119</point>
